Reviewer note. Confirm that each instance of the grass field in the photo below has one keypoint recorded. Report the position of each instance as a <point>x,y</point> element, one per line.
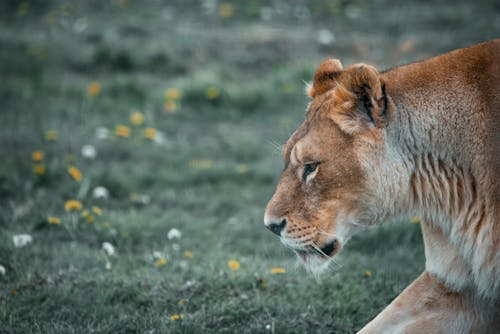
<point>186,104</point>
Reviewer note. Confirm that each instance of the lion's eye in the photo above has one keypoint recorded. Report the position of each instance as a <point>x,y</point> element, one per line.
<point>308,169</point>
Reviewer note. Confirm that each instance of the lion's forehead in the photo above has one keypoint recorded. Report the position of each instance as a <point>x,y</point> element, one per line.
<point>319,137</point>
<point>300,133</point>
<point>316,121</point>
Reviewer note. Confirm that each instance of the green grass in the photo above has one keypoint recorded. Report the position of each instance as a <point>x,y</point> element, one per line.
<point>210,178</point>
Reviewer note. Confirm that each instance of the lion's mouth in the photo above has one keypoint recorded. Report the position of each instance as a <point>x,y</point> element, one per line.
<point>326,251</point>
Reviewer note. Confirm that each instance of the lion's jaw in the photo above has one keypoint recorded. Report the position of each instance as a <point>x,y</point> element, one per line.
<point>316,248</point>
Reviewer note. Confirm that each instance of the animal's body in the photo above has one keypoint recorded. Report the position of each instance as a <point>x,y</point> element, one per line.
<point>416,139</point>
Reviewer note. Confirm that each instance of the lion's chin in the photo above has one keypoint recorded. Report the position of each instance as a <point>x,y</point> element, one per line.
<point>315,264</point>
<point>315,259</point>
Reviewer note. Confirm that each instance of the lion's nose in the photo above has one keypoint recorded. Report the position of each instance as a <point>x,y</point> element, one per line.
<point>276,227</point>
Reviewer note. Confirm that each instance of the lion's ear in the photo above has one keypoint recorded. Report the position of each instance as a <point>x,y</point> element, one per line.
<point>325,77</point>
<point>360,100</point>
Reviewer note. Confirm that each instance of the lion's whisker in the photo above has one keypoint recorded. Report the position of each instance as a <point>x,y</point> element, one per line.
<point>358,224</point>
<point>275,145</point>
<point>326,233</point>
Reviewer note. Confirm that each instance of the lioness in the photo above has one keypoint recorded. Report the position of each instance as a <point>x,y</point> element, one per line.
<point>416,139</point>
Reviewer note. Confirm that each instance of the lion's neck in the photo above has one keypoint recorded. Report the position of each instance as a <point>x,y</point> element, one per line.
<point>442,182</point>
<point>438,155</point>
<point>441,179</point>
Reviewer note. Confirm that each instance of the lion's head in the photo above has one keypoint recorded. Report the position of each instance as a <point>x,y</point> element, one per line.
<point>329,186</point>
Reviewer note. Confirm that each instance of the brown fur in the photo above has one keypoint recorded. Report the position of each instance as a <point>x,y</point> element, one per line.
<point>421,138</point>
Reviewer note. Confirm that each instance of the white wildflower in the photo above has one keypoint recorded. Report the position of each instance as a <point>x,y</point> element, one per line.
<point>325,37</point>
<point>266,13</point>
<point>2,270</point>
<point>108,265</point>
<point>102,133</point>
<point>21,240</point>
<point>174,234</point>
<point>144,199</point>
<point>89,152</point>
<point>157,255</point>
<point>108,248</point>
<point>140,198</point>
<point>352,12</point>
<point>184,264</point>
<point>100,192</point>
<point>190,283</point>
<point>210,6</point>
<point>159,138</point>
<point>80,24</point>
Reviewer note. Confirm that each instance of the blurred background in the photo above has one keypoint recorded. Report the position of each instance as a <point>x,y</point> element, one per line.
<point>141,140</point>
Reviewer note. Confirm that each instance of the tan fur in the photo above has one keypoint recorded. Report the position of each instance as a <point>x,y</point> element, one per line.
<point>416,139</point>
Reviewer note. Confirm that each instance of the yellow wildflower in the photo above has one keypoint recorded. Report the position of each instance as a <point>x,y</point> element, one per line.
<point>93,88</point>
<point>134,197</point>
<point>212,93</point>
<point>150,133</point>
<point>97,210</point>
<point>262,283</point>
<point>201,164</point>
<point>23,8</point>
<point>137,118</point>
<point>233,265</point>
<point>75,173</point>
<point>226,10</point>
<point>72,205</point>
<point>173,94</point>
<point>51,135</point>
<point>176,317</point>
<point>122,131</point>
<point>37,156</point>
<point>51,18</point>
<point>182,302</point>
<point>408,45</point>
<point>242,169</point>
<point>161,262</point>
<point>39,169</point>
<point>88,217</point>
<point>54,220</point>
<point>65,10</point>
<point>105,225</point>
<point>287,88</point>
<point>188,254</point>
<point>278,270</point>
<point>367,273</point>
<point>170,106</point>
<point>415,220</point>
